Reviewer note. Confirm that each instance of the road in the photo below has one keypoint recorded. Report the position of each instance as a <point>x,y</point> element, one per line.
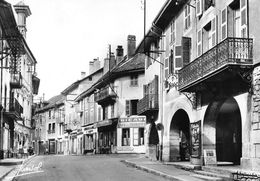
<point>90,167</point>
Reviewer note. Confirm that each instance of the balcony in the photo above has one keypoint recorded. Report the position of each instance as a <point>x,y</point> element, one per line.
<point>51,131</point>
<point>105,96</point>
<point>229,58</point>
<point>12,107</point>
<point>16,81</point>
<point>148,104</point>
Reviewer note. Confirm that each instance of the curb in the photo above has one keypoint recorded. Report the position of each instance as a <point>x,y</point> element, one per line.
<point>25,162</point>
<point>149,170</point>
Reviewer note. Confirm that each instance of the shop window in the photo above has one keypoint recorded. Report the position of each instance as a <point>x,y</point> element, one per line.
<point>138,136</point>
<point>134,80</point>
<point>125,137</point>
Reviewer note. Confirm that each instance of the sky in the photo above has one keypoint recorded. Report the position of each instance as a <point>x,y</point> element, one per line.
<point>64,35</point>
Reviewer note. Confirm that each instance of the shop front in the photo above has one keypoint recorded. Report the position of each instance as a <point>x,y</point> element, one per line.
<point>90,139</point>
<point>131,134</point>
<point>107,134</point>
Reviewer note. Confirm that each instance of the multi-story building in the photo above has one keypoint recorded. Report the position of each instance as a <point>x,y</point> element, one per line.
<point>49,129</point>
<point>18,80</point>
<point>120,129</point>
<point>210,73</point>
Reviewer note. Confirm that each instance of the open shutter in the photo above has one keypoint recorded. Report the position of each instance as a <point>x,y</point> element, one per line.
<point>186,47</point>
<point>213,32</point>
<point>199,7</point>
<point>178,58</point>
<point>166,68</point>
<point>224,24</point>
<point>156,84</point>
<point>199,43</point>
<point>171,65</point>
<point>127,107</point>
<point>243,15</point>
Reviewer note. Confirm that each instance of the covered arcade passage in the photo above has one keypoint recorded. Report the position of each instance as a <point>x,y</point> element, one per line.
<point>180,136</point>
<point>222,131</point>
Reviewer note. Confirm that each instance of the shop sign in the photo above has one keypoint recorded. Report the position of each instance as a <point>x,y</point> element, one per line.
<point>195,139</point>
<point>90,131</point>
<point>132,122</point>
<point>131,125</point>
<point>104,123</point>
<point>210,157</point>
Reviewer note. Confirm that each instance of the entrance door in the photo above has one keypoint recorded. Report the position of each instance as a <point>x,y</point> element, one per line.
<point>52,146</point>
<point>228,133</point>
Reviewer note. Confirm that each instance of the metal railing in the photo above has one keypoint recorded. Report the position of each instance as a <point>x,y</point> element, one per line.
<point>12,105</point>
<point>16,81</point>
<point>148,102</point>
<point>51,131</point>
<point>104,93</point>
<point>231,51</point>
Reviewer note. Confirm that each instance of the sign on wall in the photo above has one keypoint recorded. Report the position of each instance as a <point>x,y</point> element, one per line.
<point>210,157</point>
<point>132,122</point>
<point>195,139</point>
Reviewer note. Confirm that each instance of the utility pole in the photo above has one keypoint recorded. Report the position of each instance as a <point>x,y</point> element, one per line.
<point>144,23</point>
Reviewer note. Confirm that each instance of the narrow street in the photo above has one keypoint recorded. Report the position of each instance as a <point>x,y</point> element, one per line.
<point>93,167</point>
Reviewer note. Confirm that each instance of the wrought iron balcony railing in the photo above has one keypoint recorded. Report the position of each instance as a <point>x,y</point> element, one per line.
<point>231,51</point>
<point>150,102</point>
<point>16,81</point>
<point>51,131</point>
<point>13,107</point>
<point>104,95</point>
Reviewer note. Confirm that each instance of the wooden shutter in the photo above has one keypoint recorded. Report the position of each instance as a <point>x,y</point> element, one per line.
<point>145,88</point>
<point>243,16</point>
<point>199,43</point>
<point>198,7</point>
<point>186,47</point>
<point>224,24</point>
<point>166,68</point>
<point>178,58</point>
<point>156,84</point>
<point>171,65</point>
<point>214,31</point>
<point>127,107</point>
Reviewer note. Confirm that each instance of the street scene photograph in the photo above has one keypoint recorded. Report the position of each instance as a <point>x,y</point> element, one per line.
<point>112,90</point>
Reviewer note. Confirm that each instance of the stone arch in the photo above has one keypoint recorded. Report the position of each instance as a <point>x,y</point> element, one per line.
<point>179,136</point>
<point>222,130</point>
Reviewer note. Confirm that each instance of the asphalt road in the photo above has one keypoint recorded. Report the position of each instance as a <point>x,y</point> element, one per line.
<point>91,167</point>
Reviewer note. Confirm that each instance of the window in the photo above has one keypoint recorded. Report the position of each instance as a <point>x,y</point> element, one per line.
<point>125,137</point>
<point>178,59</point>
<point>187,17</point>
<point>173,31</point>
<point>171,65</point>
<point>105,113</point>
<point>53,127</point>
<point>49,113</point>
<point>99,114</point>
<point>134,80</point>
<point>166,68</point>
<point>49,127</point>
<point>199,43</point>
<point>243,14</point>
<point>208,3</point>
<point>131,107</point>
<point>199,7</point>
<point>112,110</point>
<point>138,136</point>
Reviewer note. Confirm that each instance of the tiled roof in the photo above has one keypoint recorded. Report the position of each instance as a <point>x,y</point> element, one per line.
<point>52,102</point>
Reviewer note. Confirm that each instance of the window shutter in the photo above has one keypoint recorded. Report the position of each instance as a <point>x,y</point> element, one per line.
<point>127,107</point>
<point>199,43</point>
<point>224,24</point>
<point>199,7</point>
<point>178,58</point>
<point>145,87</point>
<point>243,15</point>
<point>186,47</point>
<point>171,65</point>
<point>166,68</point>
<point>214,31</point>
<point>156,84</point>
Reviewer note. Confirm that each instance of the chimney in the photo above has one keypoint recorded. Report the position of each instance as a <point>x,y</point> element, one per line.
<point>112,62</point>
<point>131,46</point>
<point>119,54</point>
<point>106,65</point>
<point>94,65</point>
<point>22,11</point>
<point>83,75</point>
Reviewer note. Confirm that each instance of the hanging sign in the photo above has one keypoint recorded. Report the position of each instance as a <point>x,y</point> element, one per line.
<point>195,139</point>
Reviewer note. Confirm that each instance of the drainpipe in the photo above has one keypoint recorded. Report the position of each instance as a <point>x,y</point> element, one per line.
<point>1,107</point>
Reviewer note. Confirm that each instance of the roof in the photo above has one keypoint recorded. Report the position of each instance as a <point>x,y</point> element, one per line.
<point>136,64</point>
<point>168,11</point>
<point>55,101</point>
<point>76,84</point>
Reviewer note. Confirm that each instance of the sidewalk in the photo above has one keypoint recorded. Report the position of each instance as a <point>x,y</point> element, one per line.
<point>8,165</point>
<point>166,170</point>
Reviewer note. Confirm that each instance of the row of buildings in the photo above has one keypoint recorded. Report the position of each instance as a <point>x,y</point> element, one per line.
<point>18,81</point>
<point>188,92</point>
